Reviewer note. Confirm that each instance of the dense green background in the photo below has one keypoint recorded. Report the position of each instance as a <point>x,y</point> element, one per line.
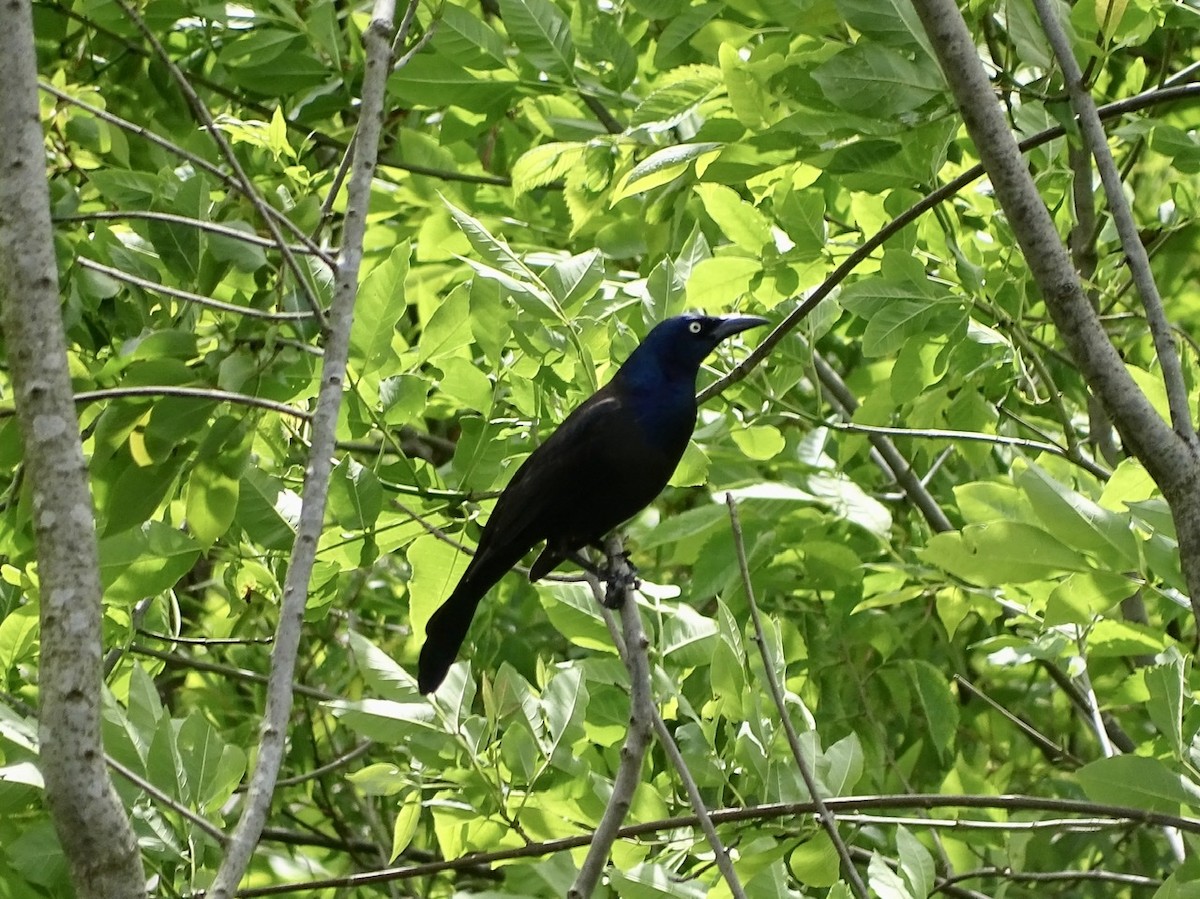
<point>555,178</point>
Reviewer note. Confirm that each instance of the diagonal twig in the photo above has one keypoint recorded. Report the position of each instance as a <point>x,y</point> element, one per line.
<point>828,821</point>
<point>273,743</point>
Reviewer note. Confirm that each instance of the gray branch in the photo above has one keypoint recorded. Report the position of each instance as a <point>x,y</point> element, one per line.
<point>91,823</point>
<point>273,734</point>
<point>1171,460</point>
<point>1135,252</point>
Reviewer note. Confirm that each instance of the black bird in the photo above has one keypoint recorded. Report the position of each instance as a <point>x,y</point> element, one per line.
<point>605,463</point>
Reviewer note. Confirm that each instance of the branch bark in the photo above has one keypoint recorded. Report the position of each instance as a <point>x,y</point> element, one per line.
<point>632,643</point>
<point>273,740</point>
<point>91,823</point>
<point>1171,460</point>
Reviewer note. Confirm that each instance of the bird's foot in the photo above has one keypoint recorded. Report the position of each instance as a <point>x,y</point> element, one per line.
<point>619,576</point>
<point>619,580</point>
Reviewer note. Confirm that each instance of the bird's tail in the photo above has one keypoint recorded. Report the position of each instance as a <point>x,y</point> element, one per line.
<point>447,627</point>
<point>444,635</point>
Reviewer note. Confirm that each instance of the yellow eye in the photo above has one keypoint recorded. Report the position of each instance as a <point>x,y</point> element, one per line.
<point>695,327</point>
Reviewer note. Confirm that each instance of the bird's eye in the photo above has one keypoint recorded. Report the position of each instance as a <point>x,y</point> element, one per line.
<point>695,327</point>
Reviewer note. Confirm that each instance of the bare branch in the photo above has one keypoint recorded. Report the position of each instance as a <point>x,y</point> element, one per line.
<point>186,295</point>
<point>316,483</point>
<point>759,813</point>
<point>828,822</point>
<point>1131,243</point>
<point>633,649</point>
<point>88,817</point>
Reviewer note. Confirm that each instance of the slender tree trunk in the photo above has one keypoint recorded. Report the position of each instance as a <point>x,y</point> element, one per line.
<point>91,822</point>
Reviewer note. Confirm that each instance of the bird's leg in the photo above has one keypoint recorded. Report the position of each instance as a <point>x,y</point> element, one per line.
<point>624,554</point>
<point>618,576</point>
<point>586,564</point>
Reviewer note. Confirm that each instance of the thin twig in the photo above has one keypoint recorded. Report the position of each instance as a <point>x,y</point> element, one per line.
<point>228,671</point>
<point>198,299</point>
<point>273,740</point>
<point>210,829</point>
<point>1118,204</point>
<point>828,822</point>
<point>703,815</point>
<point>157,391</point>
<point>910,215</point>
<point>220,228</point>
<point>759,813</point>
<point>200,111</point>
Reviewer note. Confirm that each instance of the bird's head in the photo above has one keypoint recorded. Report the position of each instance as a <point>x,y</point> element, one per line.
<point>679,345</point>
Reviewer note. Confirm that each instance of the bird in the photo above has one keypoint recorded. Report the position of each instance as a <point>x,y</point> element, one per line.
<point>606,462</point>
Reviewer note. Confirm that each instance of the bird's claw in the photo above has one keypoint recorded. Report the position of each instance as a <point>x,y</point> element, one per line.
<point>619,581</point>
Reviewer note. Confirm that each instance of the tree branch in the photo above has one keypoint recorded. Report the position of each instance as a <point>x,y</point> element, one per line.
<point>1118,204</point>
<point>828,822</point>
<point>91,823</point>
<point>633,649</point>
<point>1171,460</point>
<point>316,483</point>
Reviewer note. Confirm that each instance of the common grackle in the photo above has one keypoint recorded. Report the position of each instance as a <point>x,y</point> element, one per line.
<point>605,463</point>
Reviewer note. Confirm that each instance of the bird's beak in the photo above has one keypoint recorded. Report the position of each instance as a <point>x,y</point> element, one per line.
<point>735,324</point>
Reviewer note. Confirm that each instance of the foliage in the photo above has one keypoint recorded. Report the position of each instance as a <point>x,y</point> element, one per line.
<point>555,178</point>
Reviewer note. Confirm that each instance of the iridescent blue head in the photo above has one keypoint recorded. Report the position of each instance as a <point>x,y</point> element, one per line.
<point>675,348</point>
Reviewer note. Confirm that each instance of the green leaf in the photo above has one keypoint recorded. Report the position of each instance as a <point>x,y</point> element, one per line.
<point>688,638</point>
<point>467,40</point>
<point>381,301</point>
<point>884,882</point>
<point>267,511</point>
<point>355,497</point>
<point>430,80</point>
<point>563,703</point>
<point>464,383</point>
<point>871,79</point>
<point>741,222</point>
<point>1139,782</point>
<point>545,163</point>
<point>845,765</point>
<point>759,442</point>
<point>815,862</point>
<point>675,94</point>
<point>715,283</point>
<point>407,819</point>
<point>573,612</point>
<point>144,562</point>
<point>243,255</point>
<point>653,881</point>
<point>382,675</point>
<point>1001,552</point>
<point>542,33</point>
<point>575,280</point>
<point>1123,638</point>
<point>916,864</point>
<point>938,705</point>
<point>662,167</point>
<point>1166,685</point>
<point>212,768</point>
<point>18,636</point>
<point>448,330</point>
<point>1076,520</point>
<point>1080,597</point>
<point>385,720</point>
<point>215,478</point>
<point>436,568</point>
<point>747,97</point>
<point>380,779</point>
